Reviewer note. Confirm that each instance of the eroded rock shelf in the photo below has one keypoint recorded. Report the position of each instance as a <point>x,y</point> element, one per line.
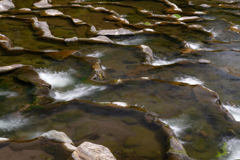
<point>125,80</point>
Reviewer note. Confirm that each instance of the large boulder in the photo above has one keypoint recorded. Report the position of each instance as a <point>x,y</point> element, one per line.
<point>91,151</point>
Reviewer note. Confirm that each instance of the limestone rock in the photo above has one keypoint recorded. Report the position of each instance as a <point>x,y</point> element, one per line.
<point>10,68</point>
<point>42,4</point>
<point>5,41</point>
<point>196,26</point>
<point>205,5</point>
<point>78,21</point>
<point>51,12</point>
<point>102,39</point>
<point>60,55</point>
<point>25,9</point>
<point>204,61</point>
<point>189,18</point>
<point>57,136</point>
<point>6,5</point>
<point>148,51</point>
<point>115,32</point>
<point>91,151</point>
<point>73,39</point>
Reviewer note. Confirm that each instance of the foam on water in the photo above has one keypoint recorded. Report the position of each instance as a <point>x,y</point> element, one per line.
<point>95,54</point>
<point>233,149</point>
<point>163,62</point>
<point>132,41</point>
<point>190,80</point>
<point>234,111</point>
<point>215,33</point>
<point>56,79</point>
<point>11,122</point>
<point>194,45</point>
<point>8,94</point>
<point>78,91</point>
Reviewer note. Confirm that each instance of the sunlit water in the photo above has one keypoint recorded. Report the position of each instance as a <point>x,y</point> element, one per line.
<point>78,91</point>
<point>62,79</point>
<point>178,125</point>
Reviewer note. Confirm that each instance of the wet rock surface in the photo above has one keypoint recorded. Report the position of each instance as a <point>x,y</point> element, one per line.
<point>149,80</point>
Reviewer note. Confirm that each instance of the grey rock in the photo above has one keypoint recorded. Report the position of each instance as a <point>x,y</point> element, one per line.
<point>6,5</point>
<point>93,29</point>
<point>78,21</point>
<point>115,32</point>
<point>5,41</point>
<point>57,136</point>
<point>10,68</point>
<point>204,61</point>
<point>69,147</point>
<point>102,39</point>
<point>52,12</point>
<point>189,18</point>
<point>205,5</point>
<point>73,39</point>
<point>25,9</point>
<point>91,151</point>
<point>42,4</point>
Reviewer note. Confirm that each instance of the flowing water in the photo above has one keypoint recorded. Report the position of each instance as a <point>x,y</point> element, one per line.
<point>177,61</point>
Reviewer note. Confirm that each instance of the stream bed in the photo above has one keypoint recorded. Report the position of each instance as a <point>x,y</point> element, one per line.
<point>148,79</point>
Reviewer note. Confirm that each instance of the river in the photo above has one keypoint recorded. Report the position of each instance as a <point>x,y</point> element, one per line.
<point>129,75</point>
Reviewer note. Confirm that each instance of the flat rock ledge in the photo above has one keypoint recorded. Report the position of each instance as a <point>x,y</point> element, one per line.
<point>5,69</point>
<point>91,151</point>
<point>115,32</point>
<point>6,5</point>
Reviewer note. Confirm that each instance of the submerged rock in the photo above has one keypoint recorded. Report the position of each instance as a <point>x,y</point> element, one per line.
<point>148,52</point>
<point>189,19</point>
<point>103,39</point>
<point>62,54</point>
<point>5,42</point>
<point>204,61</point>
<point>91,151</point>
